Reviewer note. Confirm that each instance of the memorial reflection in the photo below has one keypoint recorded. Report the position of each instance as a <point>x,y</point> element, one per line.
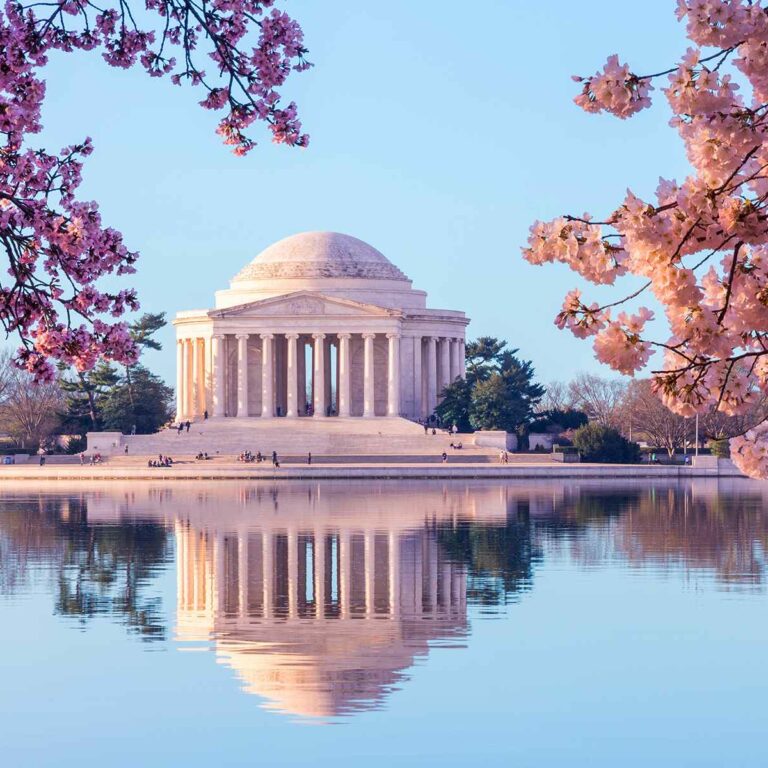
<point>321,597</point>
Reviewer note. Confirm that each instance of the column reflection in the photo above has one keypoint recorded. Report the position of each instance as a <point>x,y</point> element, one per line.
<point>320,620</point>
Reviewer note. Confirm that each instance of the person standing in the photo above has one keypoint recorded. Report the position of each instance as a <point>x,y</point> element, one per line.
<point>309,457</point>
<point>205,415</point>
<point>445,457</point>
<point>188,424</point>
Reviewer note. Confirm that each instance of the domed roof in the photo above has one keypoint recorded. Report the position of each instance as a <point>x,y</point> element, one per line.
<point>320,254</point>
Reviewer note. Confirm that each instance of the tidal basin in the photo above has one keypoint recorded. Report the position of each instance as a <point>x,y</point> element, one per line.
<point>446,623</point>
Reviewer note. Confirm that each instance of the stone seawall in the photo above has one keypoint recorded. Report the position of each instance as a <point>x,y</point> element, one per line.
<point>235,471</point>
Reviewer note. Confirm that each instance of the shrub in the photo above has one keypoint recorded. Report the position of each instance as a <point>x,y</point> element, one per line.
<point>720,448</point>
<point>605,445</point>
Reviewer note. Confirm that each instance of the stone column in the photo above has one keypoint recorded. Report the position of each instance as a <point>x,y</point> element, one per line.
<point>242,375</point>
<point>462,361</point>
<point>368,380</point>
<point>370,572</point>
<point>455,360</point>
<point>242,572</point>
<point>205,401</point>
<point>267,377</point>
<point>189,379</point>
<point>293,573</point>
<point>445,365</point>
<point>218,375</point>
<point>394,574</point>
<point>292,382</point>
<point>194,365</point>
<point>318,557</point>
<point>268,577</point>
<point>179,379</point>
<point>431,374</point>
<point>344,374</point>
<point>393,373</point>
<point>344,574</point>
<point>418,385</point>
<point>318,360</point>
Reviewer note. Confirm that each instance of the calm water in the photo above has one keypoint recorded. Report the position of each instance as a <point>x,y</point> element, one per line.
<point>422,623</point>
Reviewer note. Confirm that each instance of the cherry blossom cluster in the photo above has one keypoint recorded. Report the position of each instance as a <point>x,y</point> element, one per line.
<point>57,247</point>
<point>700,245</point>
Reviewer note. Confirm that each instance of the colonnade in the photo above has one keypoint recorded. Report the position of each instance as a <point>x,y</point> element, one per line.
<point>210,367</point>
<point>316,573</point>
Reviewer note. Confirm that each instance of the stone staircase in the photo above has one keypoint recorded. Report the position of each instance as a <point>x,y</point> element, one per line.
<point>359,438</point>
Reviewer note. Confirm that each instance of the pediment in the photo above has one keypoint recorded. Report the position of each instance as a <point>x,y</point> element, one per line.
<point>304,303</point>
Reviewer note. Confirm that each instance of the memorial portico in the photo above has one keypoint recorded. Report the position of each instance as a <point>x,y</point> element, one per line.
<point>318,325</point>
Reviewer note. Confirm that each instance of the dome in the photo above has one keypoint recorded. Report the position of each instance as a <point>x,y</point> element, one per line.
<point>320,255</point>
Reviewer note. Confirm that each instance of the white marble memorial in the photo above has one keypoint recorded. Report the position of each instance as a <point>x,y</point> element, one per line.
<point>319,324</point>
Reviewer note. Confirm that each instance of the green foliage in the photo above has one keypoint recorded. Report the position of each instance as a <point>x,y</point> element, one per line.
<point>147,403</point>
<point>598,443</point>
<point>76,444</point>
<point>498,392</point>
<point>720,448</point>
<point>106,399</point>
<point>454,409</point>
<point>143,330</point>
<point>558,420</point>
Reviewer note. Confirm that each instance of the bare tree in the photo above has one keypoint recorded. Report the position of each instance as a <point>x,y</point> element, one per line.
<point>556,398</point>
<point>29,412</point>
<point>651,419</point>
<point>716,425</point>
<point>6,370</point>
<point>601,399</point>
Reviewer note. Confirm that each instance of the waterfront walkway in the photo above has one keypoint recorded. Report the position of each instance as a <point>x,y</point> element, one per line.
<point>374,467</point>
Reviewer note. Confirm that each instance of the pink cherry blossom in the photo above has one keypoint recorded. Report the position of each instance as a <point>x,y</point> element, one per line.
<point>57,247</point>
<point>700,246</point>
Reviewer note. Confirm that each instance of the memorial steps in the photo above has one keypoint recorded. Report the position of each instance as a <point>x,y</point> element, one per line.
<point>333,436</point>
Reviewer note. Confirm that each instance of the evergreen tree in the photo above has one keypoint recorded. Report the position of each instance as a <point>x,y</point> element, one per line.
<point>498,392</point>
<point>145,403</point>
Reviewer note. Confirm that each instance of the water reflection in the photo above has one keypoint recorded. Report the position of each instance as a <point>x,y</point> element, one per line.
<point>321,597</point>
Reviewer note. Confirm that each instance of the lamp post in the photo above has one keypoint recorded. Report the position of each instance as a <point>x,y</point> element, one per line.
<point>697,434</point>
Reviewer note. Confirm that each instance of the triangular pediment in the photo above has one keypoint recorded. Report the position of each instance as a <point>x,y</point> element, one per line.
<point>303,303</point>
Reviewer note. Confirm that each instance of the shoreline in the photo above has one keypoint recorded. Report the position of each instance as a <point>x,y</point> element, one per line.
<point>365,471</point>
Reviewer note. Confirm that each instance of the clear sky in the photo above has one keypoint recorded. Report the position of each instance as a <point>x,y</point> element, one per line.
<point>439,132</point>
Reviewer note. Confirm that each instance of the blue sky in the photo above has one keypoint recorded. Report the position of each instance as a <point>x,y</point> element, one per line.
<point>439,132</point>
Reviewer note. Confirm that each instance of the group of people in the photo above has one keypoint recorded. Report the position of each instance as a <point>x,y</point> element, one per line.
<point>504,456</point>
<point>203,456</point>
<point>94,458</point>
<point>432,424</point>
<point>258,457</point>
<point>457,446</point>
<point>182,425</point>
<point>160,461</point>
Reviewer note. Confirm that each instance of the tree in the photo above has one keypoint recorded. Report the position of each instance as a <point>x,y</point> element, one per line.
<point>601,399</point>
<point>30,414</point>
<point>556,420</point>
<point>650,417</point>
<point>598,443</point>
<point>56,245</point>
<point>717,425</point>
<point>482,357</point>
<point>84,393</point>
<point>556,397</point>
<point>455,405</point>
<point>142,333</point>
<point>498,392</point>
<point>146,403</point>
<point>701,245</point>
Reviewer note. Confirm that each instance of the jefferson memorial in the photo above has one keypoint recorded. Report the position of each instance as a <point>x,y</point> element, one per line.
<point>318,325</point>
